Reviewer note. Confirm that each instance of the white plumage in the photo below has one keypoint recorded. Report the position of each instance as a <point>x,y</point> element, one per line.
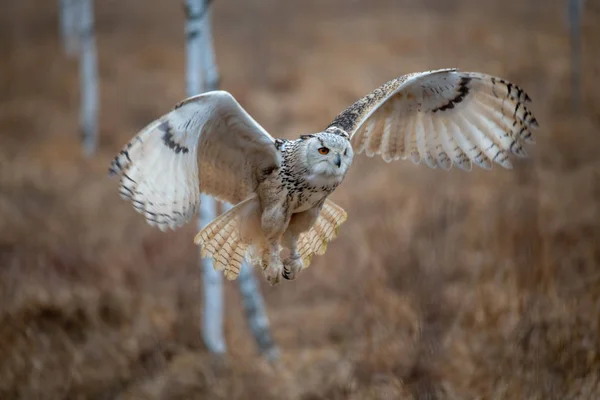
<point>209,144</point>
<point>443,117</point>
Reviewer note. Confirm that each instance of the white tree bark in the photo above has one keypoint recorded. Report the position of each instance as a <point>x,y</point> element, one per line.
<point>77,32</point>
<point>69,25</point>
<point>88,75</point>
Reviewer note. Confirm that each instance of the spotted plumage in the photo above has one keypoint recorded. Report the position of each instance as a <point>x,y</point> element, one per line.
<point>210,144</point>
<point>294,174</point>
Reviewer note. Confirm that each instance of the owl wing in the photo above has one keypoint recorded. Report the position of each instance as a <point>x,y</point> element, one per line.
<point>441,117</point>
<point>324,230</point>
<point>206,144</point>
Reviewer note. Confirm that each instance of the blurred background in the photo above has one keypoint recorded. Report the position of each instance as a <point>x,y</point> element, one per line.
<point>450,285</point>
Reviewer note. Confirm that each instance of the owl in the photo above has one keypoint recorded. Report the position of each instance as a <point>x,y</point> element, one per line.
<point>280,188</point>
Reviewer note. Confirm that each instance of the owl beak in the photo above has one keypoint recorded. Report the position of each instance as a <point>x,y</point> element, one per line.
<point>338,160</point>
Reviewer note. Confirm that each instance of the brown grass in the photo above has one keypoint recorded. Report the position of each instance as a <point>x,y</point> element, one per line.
<point>447,285</point>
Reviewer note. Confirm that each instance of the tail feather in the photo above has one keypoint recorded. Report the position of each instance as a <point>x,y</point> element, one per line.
<point>325,229</point>
<point>221,241</point>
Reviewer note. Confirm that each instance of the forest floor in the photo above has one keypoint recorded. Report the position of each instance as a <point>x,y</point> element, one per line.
<point>449,284</point>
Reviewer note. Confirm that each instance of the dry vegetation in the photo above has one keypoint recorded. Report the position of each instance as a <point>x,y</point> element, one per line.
<point>453,285</point>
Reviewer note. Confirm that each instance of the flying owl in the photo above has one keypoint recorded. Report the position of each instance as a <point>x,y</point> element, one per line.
<point>210,144</point>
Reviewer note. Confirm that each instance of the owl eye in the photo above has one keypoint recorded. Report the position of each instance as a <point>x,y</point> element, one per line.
<point>323,150</point>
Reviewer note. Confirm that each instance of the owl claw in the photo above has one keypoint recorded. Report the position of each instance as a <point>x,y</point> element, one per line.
<point>292,267</point>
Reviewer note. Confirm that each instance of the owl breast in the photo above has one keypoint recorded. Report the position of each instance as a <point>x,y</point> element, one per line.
<point>303,194</point>
<point>307,200</point>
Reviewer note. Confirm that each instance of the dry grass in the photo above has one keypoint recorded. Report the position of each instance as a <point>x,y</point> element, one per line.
<point>453,285</point>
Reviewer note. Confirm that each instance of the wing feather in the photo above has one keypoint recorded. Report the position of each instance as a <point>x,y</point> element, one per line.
<point>422,145</point>
<point>324,230</point>
<point>375,134</point>
<point>441,156</point>
<point>468,149</point>
<point>206,144</point>
<point>387,136</point>
<point>442,118</point>
<point>394,147</point>
<point>454,152</point>
<point>410,142</point>
<point>365,134</point>
<point>481,143</point>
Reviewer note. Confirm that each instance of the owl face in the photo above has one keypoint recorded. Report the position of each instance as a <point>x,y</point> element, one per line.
<point>329,154</point>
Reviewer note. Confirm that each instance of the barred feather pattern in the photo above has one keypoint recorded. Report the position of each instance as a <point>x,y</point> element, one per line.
<point>325,229</point>
<point>442,118</point>
<point>221,241</point>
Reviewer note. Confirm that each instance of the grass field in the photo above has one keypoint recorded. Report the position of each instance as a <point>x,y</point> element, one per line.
<point>450,285</point>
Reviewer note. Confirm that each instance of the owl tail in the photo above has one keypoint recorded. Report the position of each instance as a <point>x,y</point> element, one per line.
<point>222,239</point>
<point>325,229</point>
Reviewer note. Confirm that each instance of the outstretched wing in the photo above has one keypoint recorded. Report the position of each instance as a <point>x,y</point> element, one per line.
<point>441,117</point>
<point>206,144</point>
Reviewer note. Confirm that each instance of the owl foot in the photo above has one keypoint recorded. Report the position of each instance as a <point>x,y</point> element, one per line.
<point>272,268</point>
<point>292,267</point>
<point>272,272</point>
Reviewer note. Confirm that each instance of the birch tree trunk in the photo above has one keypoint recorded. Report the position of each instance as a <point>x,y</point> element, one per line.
<point>203,75</point>
<point>77,33</point>
<point>88,75</point>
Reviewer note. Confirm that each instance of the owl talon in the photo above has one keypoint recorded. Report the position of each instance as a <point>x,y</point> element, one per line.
<point>292,267</point>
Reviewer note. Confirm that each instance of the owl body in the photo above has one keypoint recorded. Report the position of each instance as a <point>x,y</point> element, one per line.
<point>290,198</point>
<point>280,188</point>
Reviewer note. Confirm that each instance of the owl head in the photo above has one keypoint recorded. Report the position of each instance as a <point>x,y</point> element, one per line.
<point>328,154</point>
